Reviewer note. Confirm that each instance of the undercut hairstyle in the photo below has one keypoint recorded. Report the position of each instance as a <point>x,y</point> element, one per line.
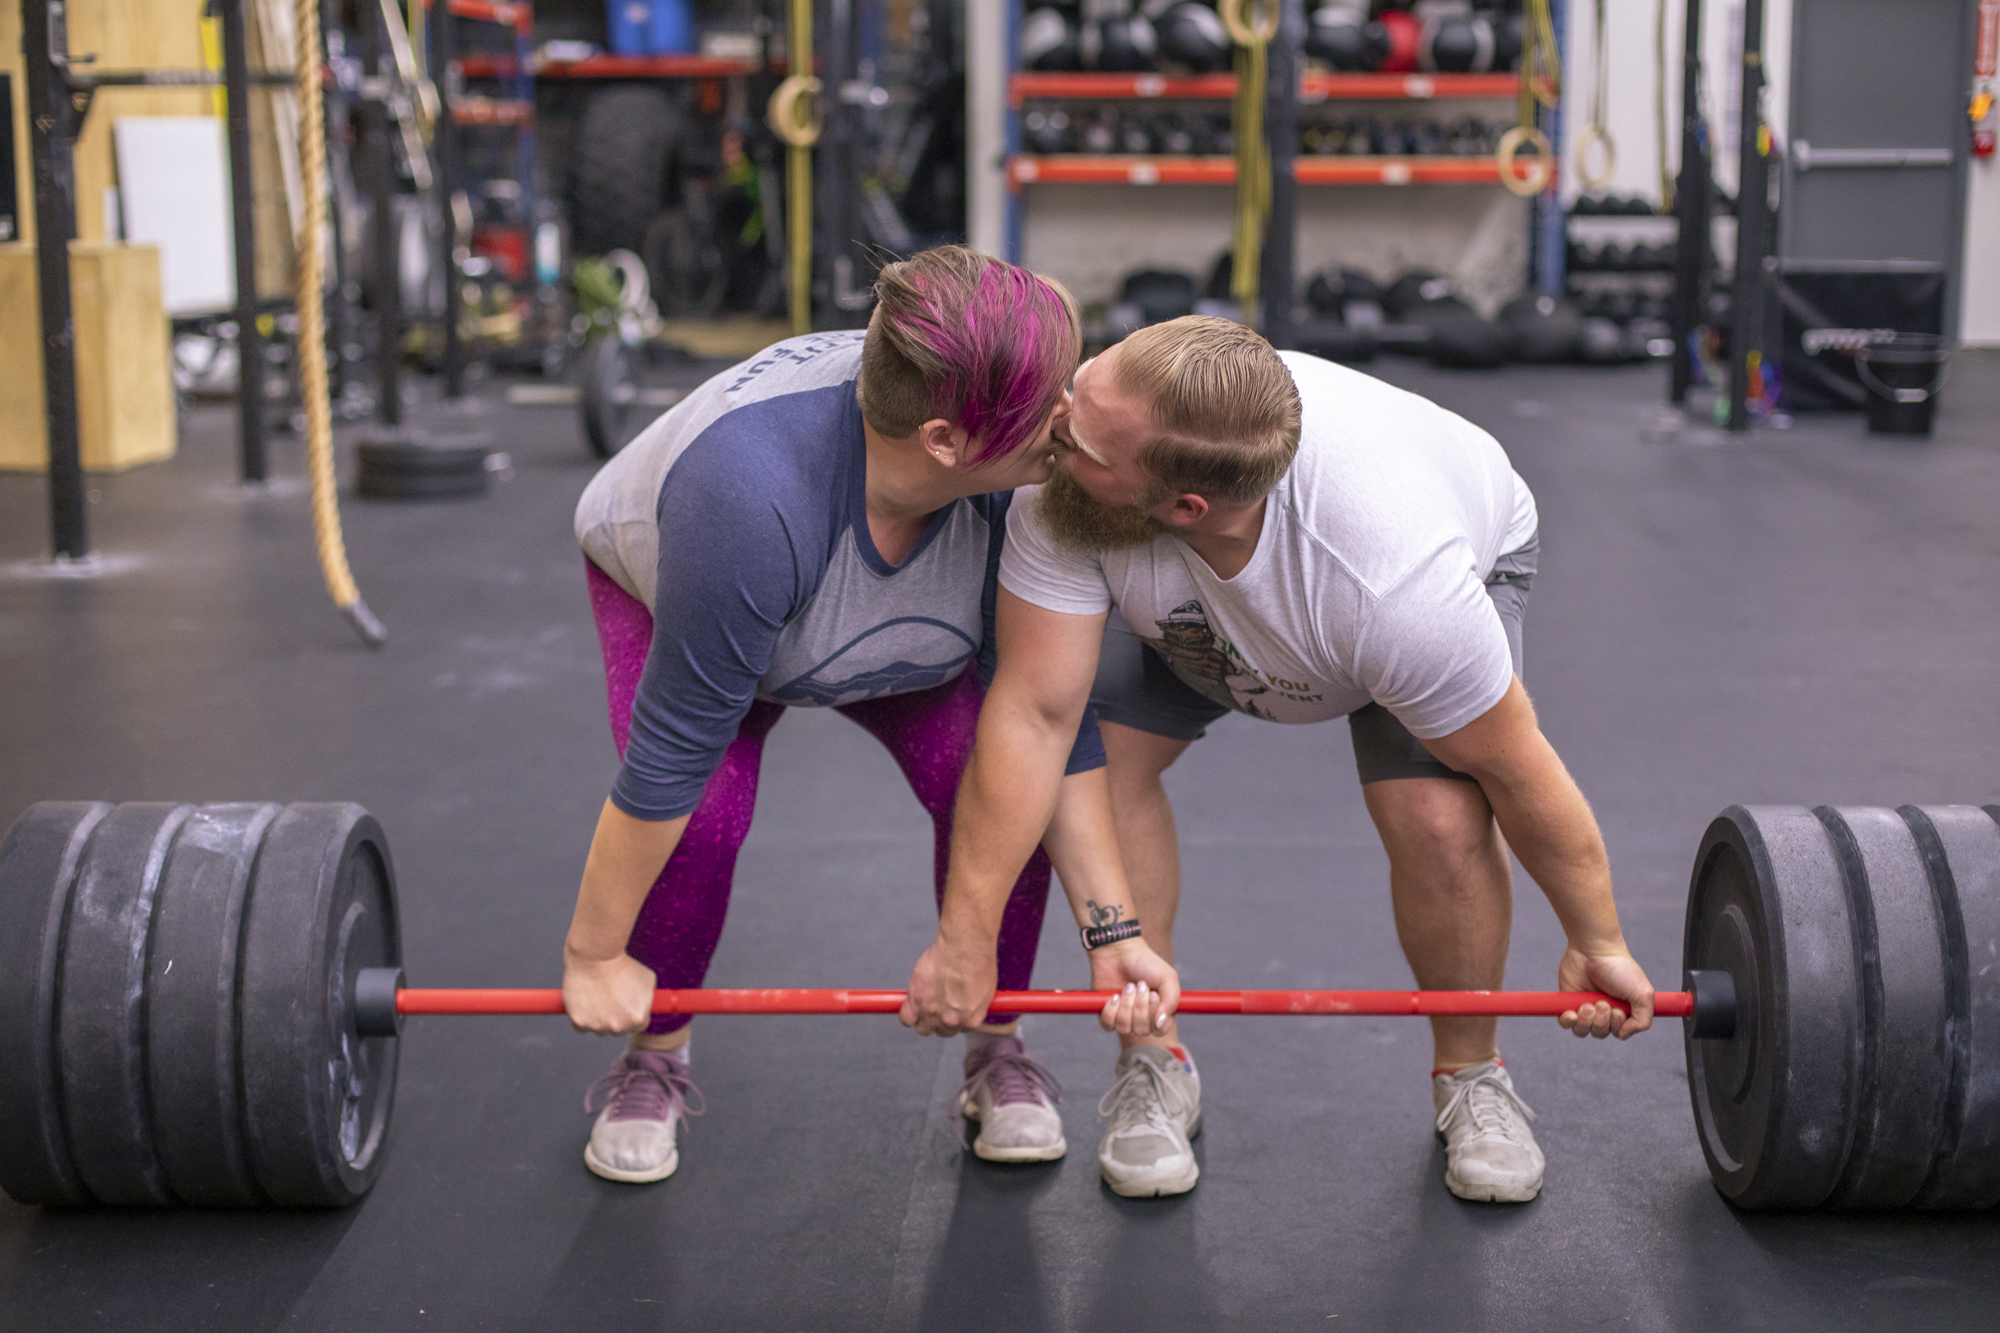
<point>1225,407</point>
<point>961,336</point>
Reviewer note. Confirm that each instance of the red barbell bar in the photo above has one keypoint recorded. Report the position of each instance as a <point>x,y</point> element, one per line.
<point>1506,1004</point>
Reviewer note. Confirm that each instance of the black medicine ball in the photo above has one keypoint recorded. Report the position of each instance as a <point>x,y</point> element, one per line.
<point>1456,45</point>
<point>1190,34</point>
<point>1506,41</point>
<point>1335,37</point>
<point>1548,328</point>
<point>1124,44</point>
<point>1048,41</point>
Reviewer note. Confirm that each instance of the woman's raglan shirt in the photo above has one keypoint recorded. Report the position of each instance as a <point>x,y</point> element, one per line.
<point>739,519</point>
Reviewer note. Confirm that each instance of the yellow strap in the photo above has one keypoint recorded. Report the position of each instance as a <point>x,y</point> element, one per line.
<point>1252,30</point>
<point>800,89</point>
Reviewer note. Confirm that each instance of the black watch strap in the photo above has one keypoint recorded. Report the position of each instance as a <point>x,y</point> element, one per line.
<point>1096,937</point>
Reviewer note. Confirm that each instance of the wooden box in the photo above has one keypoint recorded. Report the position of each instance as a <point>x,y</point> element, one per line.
<point>124,383</point>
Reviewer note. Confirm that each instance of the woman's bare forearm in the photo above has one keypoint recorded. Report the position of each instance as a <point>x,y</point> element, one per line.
<point>1083,846</point>
<point>626,857</point>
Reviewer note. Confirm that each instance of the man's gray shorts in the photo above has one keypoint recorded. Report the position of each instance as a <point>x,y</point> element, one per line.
<point>1136,689</point>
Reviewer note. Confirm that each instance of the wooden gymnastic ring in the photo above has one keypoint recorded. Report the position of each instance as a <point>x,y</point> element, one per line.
<point>1595,182</point>
<point>782,115</point>
<point>1236,18</point>
<point>1543,169</point>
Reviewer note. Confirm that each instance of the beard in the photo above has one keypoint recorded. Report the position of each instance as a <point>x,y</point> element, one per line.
<point>1082,522</point>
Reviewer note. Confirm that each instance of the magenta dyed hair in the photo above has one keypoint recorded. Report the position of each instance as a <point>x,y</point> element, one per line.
<point>992,348</point>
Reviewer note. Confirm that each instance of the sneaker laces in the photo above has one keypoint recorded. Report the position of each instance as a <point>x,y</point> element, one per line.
<point>1139,1099</point>
<point>1010,1074</point>
<point>1486,1096</point>
<point>646,1085</point>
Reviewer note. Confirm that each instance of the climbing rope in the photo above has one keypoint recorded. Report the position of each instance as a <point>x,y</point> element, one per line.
<point>794,116</point>
<point>1597,132</point>
<point>1541,85</point>
<point>1252,35</point>
<point>312,335</point>
<point>1660,105</point>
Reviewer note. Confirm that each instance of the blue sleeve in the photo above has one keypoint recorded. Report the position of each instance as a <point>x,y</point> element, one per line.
<point>740,552</point>
<point>1088,751</point>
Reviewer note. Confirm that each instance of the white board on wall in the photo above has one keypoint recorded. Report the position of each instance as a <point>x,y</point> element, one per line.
<point>173,183</point>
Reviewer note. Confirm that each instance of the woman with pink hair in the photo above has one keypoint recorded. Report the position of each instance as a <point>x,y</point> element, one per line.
<point>821,526</point>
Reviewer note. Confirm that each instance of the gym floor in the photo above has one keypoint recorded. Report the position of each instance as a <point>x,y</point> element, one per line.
<point>1798,617</point>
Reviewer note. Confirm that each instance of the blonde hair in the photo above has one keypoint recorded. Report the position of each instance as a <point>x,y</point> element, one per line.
<point>1225,406</point>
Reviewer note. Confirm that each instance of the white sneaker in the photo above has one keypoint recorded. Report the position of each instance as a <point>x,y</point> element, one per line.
<point>1155,1110</point>
<point>1490,1153</point>
<point>1013,1100</point>
<point>645,1097</point>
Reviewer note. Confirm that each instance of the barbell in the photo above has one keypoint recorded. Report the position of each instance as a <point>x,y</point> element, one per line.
<point>201,1005</point>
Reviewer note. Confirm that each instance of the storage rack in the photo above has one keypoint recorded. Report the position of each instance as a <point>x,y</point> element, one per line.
<point>514,111</point>
<point>1288,93</point>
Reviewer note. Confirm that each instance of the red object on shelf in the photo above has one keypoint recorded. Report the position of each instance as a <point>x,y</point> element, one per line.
<point>1082,169</point>
<point>1508,1004</point>
<point>1404,32</point>
<point>507,247</point>
<point>491,111</point>
<point>519,17</point>
<point>1312,88</point>
<point>614,67</point>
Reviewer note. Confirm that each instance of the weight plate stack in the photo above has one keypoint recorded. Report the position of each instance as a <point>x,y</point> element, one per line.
<point>38,867</point>
<point>1961,847</point>
<point>1773,1104</point>
<point>192,1024</point>
<point>101,1003</point>
<point>398,465</point>
<point>1865,1069</point>
<point>175,1017</point>
<point>317,1096</point>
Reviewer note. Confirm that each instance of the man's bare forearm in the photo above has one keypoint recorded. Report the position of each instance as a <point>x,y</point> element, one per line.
<point>1004,805</point>
<point>1548,824</point>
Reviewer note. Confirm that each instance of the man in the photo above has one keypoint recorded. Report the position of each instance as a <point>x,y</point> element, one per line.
<point>1299,542</point>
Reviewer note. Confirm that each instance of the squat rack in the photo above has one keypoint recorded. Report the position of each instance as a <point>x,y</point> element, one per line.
<point>59,95</point>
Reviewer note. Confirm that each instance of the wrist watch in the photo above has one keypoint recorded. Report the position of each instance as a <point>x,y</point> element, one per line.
<point>1095,937</point>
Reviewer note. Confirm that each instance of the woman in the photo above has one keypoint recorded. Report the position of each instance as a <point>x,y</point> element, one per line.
<point>821,526</point>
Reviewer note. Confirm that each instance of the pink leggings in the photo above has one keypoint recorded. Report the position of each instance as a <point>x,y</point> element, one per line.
<point>929,732</point>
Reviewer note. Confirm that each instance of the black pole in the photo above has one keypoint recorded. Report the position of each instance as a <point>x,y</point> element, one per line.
<point>1692,189</point>
<point>53,119</point>
<point>1753,221</point>
<point>835,177</point>
<point>444,38</point>
<point>385,276</point>
<point>1278,274</point>
<point>243,220</point>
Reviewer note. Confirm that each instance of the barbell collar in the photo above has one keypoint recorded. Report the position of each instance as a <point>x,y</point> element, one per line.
<point>374,1002</point>
<point>1713,1015</point>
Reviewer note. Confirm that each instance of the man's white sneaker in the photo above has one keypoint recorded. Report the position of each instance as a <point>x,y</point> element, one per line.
<point>1490,1153</point>
<point>645,1097</point>
<point>1155,1109</point>
<point>1012,1099</point>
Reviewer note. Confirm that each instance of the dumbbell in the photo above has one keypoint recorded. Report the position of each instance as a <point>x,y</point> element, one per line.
<point>201,1005</point>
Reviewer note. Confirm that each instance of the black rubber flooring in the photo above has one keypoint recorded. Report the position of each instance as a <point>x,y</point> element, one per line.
<point>1801,617</point>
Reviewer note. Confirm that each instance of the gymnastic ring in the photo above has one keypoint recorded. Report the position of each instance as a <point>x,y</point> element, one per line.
<point>1236,18</point>
<point>1540,171</point>
<point>1595,182</point>
<point>783,113</point>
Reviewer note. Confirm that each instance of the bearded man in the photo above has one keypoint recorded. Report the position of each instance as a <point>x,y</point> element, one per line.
<point>1290,539</point>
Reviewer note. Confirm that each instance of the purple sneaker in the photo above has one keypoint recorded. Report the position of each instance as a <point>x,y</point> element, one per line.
<point>1013,1100</point>
<point>645,1097</point>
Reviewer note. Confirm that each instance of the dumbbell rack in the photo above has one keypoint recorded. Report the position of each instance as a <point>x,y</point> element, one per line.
<point>1164,169</point>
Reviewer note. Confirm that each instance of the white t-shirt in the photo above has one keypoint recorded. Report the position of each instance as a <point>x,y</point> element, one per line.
<point>1368,582</point>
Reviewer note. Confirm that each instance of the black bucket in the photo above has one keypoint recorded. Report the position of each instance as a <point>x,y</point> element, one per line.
<point>1903,375</point>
